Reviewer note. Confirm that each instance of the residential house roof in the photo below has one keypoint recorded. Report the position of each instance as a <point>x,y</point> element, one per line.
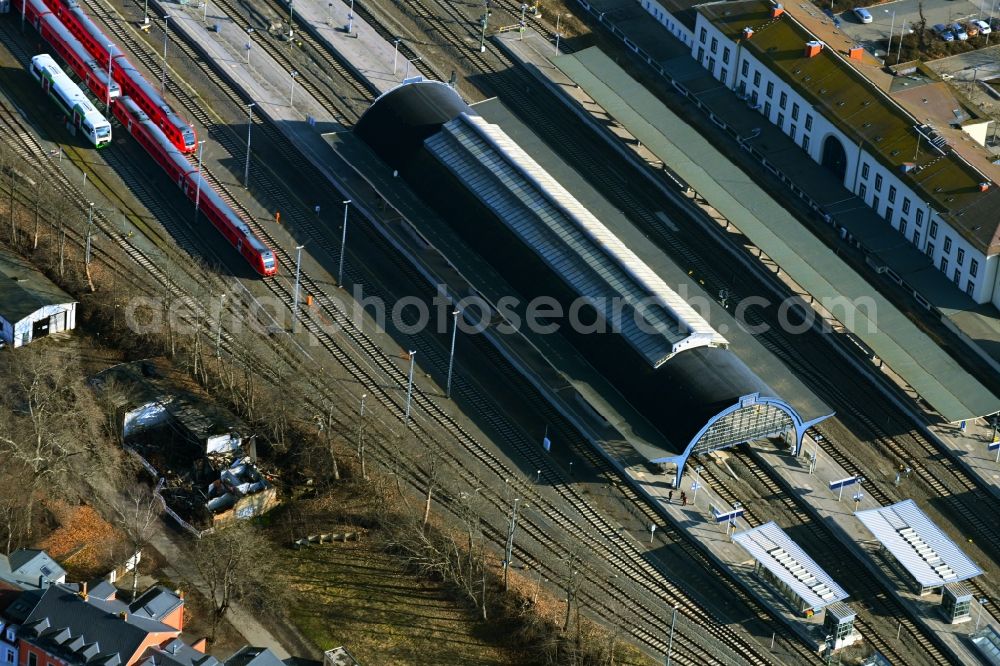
<point>253,656</point>
<point>24,289</point>
<point>866,115</point>
<point>81,630</point>
<point>30,568</point>
<point>176,653</point>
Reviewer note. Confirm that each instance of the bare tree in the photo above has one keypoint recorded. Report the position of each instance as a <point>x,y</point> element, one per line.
<point>236,565</point>
<point>137,512</point>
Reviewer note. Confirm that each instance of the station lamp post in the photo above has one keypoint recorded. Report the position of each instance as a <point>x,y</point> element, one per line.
<point>249,44</point>
<point>451,355</point>
<point>395,53</point>
<point>409,388</point>
<point>163,70</point>
<point>197,191</point>
<point>246,170</point>
<point>295,300</point>
<point>696,486</point>
<point>110,80</point>
<point>291,95</point>
<point>670,641</point>
<point>343,246</point>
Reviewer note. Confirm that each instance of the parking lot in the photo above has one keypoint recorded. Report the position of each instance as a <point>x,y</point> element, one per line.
<point>896,15</point>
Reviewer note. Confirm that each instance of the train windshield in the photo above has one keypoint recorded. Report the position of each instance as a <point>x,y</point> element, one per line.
<point>103,131</point>
<point>268,260</point>
<point>188,137</point>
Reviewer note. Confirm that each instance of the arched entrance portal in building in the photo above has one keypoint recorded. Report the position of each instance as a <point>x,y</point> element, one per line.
<point>834,156</point>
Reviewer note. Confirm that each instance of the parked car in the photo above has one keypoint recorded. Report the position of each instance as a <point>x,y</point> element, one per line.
<point>971,29</point>
<point>984,27</point>
<point>942,31</point>
<point>959,31</point>
<point>863,15</point>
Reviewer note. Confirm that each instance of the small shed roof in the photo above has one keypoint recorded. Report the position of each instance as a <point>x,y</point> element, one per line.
<point>918,544</point>
<point>24,289</point>
<point>769,545</point>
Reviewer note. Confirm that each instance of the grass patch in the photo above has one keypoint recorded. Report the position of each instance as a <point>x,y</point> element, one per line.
<point>349,594</point>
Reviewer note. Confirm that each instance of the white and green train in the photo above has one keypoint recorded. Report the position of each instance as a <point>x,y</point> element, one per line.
<point>78,109</point>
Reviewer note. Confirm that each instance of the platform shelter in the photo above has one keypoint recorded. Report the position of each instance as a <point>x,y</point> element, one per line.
<point>783,565</point>
<point>930,559</point>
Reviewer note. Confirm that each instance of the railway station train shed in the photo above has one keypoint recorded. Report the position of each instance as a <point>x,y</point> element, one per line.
<point>550,235</point>
<point>930,559</point>
<point>31,305</point>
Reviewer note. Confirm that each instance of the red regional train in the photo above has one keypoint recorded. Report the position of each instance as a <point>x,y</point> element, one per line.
<point>160,148</point>
<point>71,50</point>
<point>132,82</point>
<point>152,137</point>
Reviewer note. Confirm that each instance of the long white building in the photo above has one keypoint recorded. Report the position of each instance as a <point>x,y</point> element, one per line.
<point>937,200</point>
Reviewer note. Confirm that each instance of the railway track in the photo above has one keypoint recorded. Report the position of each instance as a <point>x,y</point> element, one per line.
<point>372,368</point>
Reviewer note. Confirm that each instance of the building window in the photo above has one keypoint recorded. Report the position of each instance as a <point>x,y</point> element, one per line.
<point>903,222</point>
<point>865,170</point>
<point>875,203</point>
<point>746,68</point>
<point>878,182</point>
<point>756,78</point>
<point>795,110</point>
<point>892,194</point>
<point>944,264</point>
<point>753,98</point>
<point>701,54</point>
<point>969,287</point>
<point>933,232</point>
<point>781,120</point>
<point>863,191</point>
<point>916,237</point>
<point>702,37</point>
<point>906,205</point>
<point>947,244</point>
<point>961,257</point>
<point>724,75</point>
<point>791,132</point>
<point>809,122</point>
<point>715,45</point>
<point>957,277</point>
<point>767,109</point>
<point>920,217</point>
<point>725,55</point>
<point>770,89</point>
<point>711,64</point>
<point>783,100</point>
<point>888,214</point>
<point>32,659</point>
<point>743,87</point>
<point>930,249</point>
<point>10,656</point>
<point>805,142</point>
<point>974,268</point>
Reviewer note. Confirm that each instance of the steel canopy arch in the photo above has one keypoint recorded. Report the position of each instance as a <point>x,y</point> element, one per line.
<point>781,414</point>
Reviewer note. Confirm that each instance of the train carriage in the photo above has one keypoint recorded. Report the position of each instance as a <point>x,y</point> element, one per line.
<point>71,51</point>
<point>78,109</point>
<point>131,80</point>
<point>137,123</point>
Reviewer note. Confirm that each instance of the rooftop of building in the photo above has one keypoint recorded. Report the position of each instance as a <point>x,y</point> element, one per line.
<point>68,625</point>
<point>30,568</point>
<point>541,212</point>
<point>867,115</point>
<point>769,545</point>
<point>249,655</point>
<point>24,289</point>
<point>918,544</point>
<point>176,653</point>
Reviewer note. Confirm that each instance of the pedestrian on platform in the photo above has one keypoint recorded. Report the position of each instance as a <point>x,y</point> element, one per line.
<point>684,499</point>
<point>670,497</point>
<point>277,216</point>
